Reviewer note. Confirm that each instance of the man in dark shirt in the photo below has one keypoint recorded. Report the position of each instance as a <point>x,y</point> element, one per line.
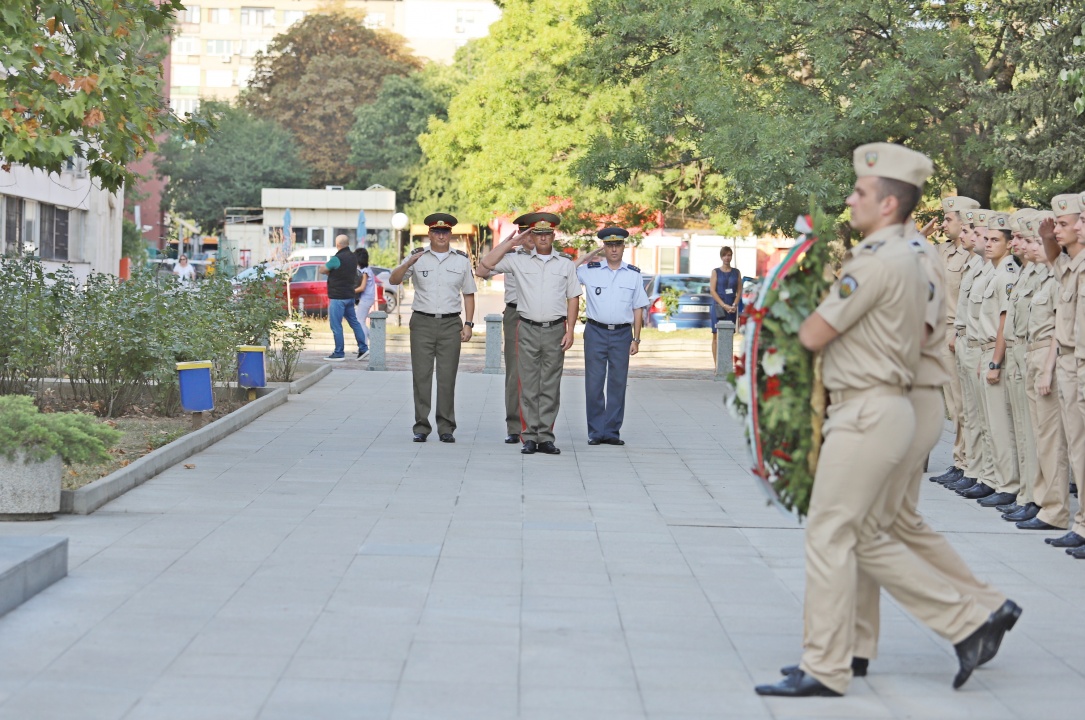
<point>342,272</point>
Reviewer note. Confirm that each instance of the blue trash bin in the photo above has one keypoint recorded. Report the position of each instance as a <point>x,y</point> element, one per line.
<point>195,381</point>
<point>251,372</point>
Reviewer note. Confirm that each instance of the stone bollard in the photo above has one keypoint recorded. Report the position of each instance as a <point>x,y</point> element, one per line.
<point>725,348</point>
<point>493,344</point>
<point>378,336</point>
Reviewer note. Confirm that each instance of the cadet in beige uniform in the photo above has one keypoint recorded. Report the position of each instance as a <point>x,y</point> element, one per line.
<point>509,321</point>
<point>954,260</point>
<point>1050,508</point>
<point>441,276</point>
<point>548,303</point>
<point>869,329</point>
<point>1059,234</point>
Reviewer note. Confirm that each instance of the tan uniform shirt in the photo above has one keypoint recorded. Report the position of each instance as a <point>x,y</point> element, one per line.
<point>543,288</point>
<point>972,270</point>
<point>1016,328</point>
<point>878,307</point>
<point>931,371</point>
<point>439,284</point>
<point>954,263</point>
<point>995,293</point>
<point>973,331</point>
<point>1066,270</point>
<point>1079,311</point>
<point>1041,311</point>
<point>511,296</point>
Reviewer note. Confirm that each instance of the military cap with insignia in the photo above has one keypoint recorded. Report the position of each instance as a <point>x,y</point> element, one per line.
<point>1019,218</point>
<point>613,235</point>
<point>977,217</point>
<point>956,203</point>
<point>440,221</point>
<point>544,222</point>
<point>895,162</point>
<point>998,221</point>
<point>524,221</point>
<point>1069,204</point>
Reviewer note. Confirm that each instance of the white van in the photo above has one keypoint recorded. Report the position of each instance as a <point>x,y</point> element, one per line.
<point>321,254</point>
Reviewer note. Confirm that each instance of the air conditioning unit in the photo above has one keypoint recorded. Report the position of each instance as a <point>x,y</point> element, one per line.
<point>333,187</point>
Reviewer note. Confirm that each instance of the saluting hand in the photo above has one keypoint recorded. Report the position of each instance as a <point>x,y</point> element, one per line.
<point>929,229</point>
<point>1047,229</point>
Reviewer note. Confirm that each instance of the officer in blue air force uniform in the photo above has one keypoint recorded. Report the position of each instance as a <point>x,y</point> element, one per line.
<point>616,301</point>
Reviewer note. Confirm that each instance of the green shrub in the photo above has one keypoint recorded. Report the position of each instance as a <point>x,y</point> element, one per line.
<point>288,340</point>
<point>73,436</point>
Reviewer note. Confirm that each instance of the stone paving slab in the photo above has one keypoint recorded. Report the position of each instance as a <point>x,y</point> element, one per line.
<point>318,564</point>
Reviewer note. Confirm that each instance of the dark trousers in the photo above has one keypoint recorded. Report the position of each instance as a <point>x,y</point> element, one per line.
<point>606,364</point>
<point>435,341</point>
<point>509,321</point>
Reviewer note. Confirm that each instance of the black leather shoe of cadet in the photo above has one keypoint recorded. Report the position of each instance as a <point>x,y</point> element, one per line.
<point>858,667</point>
<point>1036,524</point>
<point>548,448</point>
<point>1069,540</point>
<point>419,437</point>
<point>512,439</point>
<point>797,684</point>
<point>952,474</point>
<point>996,499</point>
<point>530,447</point>
<point>1003,619</point>
<point>978,491</point>
<point>1029,511</point>
<point>447,438</point>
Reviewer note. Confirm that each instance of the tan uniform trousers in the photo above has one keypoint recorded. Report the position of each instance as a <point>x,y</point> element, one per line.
<point>867,438</point>
<point>908,526</point>
<point>1079,470</point>
<point>1000,429</point>
<point>509,321</point>
<point>1051,488</point>
<point>1073,424</point>
<point>1015,373</point>
<point>435,341</point>
<point>955,406</point>
<point>977,442</point>
<point>541,364</point>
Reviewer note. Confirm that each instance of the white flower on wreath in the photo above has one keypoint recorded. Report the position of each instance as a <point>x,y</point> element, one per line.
<point>772,363</point>
<point>784,294</point>
<point>742,390</point>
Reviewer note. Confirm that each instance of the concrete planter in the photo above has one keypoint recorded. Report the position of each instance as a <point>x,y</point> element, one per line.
<point>29,490</point>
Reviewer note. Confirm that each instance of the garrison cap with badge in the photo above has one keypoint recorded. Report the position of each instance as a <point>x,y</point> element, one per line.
<point>1069,204</point>
<point>440,221</point>
<point>998,221</point>
<point>1019,220</point>
<point>894,162</point>
<point>957,203</point>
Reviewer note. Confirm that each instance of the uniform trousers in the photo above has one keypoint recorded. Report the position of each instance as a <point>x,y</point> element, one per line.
<point>435,341</point>
<point>606,364</point>
<point>1051,487</point>
<point>866,439</point>
<point>1015,373</point>
<point>513,421</point>
<point>1000,429</point>
<point>955,405</point>
<point>1079,469</point>
<point>978,450</point>
<point>541,362</point>
<point>1073,423</point>
<point>908,526</point>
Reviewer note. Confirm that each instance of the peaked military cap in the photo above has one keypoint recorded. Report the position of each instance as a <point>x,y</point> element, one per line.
<point>956,203</point>
<point>613,235</point>
<point>894,162</point>
<point>524,221</point>
<point>1070,204</point>
<point>544,222</point>
<point>440,221</point>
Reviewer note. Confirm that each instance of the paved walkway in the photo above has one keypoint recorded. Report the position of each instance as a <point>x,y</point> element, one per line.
<point>319,565</point>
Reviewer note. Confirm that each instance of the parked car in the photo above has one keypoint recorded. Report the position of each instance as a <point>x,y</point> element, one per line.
<point>307,286</point>
<point>694,301</point>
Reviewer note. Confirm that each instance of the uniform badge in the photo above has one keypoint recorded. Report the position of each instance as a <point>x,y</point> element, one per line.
<point>1002,222</point>
<point>969,214</point>
<point>425,273</point>
<point>598,291</point>
<point>1062,204</point>
<point>871,159</point>
<point>949,203</point>
<point>848,285</point>
<point>1009,289</point>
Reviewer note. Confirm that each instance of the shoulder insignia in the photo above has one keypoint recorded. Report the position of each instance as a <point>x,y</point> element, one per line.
<point>914,242</point>
<point>873,246</point>
<point>595,264</point>
<point>634,268</point>
<point>460,252</point>
<point>1009,289</point>
<point>565,255</point>
<point>1011,268</point>
<point>418,250</point>
<point>848,285</point>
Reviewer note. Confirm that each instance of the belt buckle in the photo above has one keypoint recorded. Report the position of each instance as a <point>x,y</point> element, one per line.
<point>438,316</point>
<point>611,327</point>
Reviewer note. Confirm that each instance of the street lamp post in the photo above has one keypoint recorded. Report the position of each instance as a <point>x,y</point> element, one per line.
<point>400,222</point>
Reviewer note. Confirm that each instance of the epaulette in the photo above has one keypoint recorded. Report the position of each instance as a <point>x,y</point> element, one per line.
<point>1011,267</point>
<point>595,264</point>
<point>872,247</point>
<point>460,252</point>
<point>634,268</point>
<point>565,255</point>
<point>916,243</point>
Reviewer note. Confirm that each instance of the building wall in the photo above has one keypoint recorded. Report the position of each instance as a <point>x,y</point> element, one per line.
<point>93,217</point>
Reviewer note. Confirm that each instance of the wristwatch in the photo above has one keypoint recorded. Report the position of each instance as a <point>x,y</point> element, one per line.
<point>469,324</point>
<point>636,340</point>
<point>994,366</point>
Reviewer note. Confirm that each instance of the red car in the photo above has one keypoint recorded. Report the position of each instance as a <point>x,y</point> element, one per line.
<point>308,284</point>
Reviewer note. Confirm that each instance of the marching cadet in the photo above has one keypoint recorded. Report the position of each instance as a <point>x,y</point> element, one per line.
<point>616,301</point>
<point>441,276</point>
<point>548,297</point>
<point>509,320</point>
<point>1050,487</point>
<point>955,258</point>
<point>1058,235</point>
<point>869,329</point>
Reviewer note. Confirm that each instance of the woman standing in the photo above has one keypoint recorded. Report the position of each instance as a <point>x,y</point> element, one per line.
<point>725,284</point>
<point>364,294</point>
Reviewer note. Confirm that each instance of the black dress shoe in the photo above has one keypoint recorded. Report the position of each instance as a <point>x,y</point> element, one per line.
<point>549,448</point>
<point>1078,553</point>
<point>530,447</point>
<point>420,437</point>
<point>1003,620</point>
<point>797,684</point>
<point>594,441</point>
<point>983,643</point>
<point>952,474</point>
<point>858,667</point>
<point>614,441</point>
<point>996,499</point>
<point>512,439</point>
<point>978,491</point>
<point>446,437</point>
<point>1009,508</point>
<point>962,484</point>
<point>1029,511</point>
<point>1073,489</point>
<point>1035,523</point>
<point>1069,540</point>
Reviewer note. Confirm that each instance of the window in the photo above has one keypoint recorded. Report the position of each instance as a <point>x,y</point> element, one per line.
<point>466,17</point>
<point>186,45</point>
<point>220,48</point>
<point>692,285</point>
<point>218,16</point>
<point>306,273</point>
<point>374,20</point>
<point>191,15</point>
<point>54,233</point>
<point>219,78</point>
<point>292,16</point>
<point>13,224</point>
<point>250,47</point>
<point>185,75</point>
<point>257,17</point>
<point>30,226</point>
<point>244,75</point>
<point>316,237</point>
<point>184,106</point>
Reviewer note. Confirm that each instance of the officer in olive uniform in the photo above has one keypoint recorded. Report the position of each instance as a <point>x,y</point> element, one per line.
<point>616,300</point>
<point>441,276</point>
<point>509,321</point>
<point>548,302</point>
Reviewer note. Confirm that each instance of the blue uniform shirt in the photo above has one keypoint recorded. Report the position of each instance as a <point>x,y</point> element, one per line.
<point>612,295</point>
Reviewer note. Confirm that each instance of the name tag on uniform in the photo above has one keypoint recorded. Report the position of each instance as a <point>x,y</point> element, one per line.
<point>729,291</point>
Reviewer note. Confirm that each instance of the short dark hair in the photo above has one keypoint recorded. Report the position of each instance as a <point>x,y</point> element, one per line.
<point>363,257</point>
<point>907,195</point>
<point>726,250</point>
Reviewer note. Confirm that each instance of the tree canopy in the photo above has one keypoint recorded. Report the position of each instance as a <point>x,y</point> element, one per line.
<point>314,76</point>
<point>83,78</point>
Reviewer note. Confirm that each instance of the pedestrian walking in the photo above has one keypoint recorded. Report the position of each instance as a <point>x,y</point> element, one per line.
<point>616,300</point>
<point>365,294</point>
<point>342,272</point>
<point>441,276</point>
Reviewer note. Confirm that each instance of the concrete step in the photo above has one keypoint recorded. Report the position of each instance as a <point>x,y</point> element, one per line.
<point>28,565</point>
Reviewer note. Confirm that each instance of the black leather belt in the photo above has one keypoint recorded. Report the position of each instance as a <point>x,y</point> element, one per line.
<point>437,315</point>
<point>511,305</point>
<point>596,323</point>
<point>548,323</point>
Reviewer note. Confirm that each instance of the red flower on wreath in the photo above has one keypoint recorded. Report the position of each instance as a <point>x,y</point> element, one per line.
<point>740,366</point>
<point>772,387</point>
<point>781,455</point>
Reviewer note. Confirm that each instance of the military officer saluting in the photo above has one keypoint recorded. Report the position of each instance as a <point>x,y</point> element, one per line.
<point>441,275</point>
<point>548,301</point>
<point>616,301</point>
<point>509,321</point>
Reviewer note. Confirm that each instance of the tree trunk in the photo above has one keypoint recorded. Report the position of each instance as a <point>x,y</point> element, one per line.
<point>976,183</point>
